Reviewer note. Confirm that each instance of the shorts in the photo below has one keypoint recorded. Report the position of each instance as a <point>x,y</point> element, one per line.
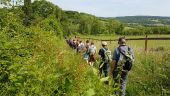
<point>92,58</point>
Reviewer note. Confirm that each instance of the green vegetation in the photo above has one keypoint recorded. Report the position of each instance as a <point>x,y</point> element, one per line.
<point>141,25</point>
<point>35,60</point>
<point>145,20</point>
<point>150,73</point>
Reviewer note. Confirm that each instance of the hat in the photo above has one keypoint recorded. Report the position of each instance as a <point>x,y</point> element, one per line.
<point>104,43</point>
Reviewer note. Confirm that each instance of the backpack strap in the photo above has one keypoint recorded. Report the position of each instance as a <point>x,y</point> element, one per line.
<point>122,52</point>
<point>128,48</point>
<point>104,49</point>
<point>106,56</point>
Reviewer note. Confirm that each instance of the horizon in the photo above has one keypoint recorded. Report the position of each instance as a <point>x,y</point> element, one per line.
<point>120,16</point>
<point>116,8</point>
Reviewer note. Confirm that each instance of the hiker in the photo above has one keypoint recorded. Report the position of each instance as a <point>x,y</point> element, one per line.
<point>86,51</point>
<point>81,47</point>
<point>70,43</point>
<point>122,61</point>
<point>77,44</point>
<point>92,54</point>
<point>74,43</point>
<point>105,55</point>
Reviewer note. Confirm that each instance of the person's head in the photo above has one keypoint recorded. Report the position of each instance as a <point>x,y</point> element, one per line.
<point>92,43</point>
<point>80,41</point>
<point>122,41</point>
<point>104,44</point>
<point>87,41</point>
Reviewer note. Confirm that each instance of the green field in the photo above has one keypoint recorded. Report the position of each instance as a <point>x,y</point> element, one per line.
<point>150,74</point>
<point>138,45</point>
<point>113,36</point>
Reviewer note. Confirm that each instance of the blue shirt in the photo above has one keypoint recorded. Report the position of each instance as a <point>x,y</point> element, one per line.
<point>116,53</point>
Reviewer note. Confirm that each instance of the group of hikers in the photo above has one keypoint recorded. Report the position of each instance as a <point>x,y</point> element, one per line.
<point>88,48</point>
<point>115,65</point>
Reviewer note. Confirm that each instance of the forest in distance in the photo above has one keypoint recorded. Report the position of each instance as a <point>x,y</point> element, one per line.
<point>73,22</point>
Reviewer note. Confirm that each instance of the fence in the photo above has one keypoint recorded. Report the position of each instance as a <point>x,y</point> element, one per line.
<point>146,38</point>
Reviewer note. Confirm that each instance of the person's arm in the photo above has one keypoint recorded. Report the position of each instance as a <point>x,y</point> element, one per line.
<point>113,63</point>
<point>99,52</point>
<point>112,67</point>
<point>132,52</point>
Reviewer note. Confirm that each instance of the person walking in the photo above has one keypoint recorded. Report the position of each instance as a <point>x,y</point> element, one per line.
<point>86,55</point>
<point>92,54</point>
<point>81,47</point>
<point>105,55</point>
<point>122,61</point>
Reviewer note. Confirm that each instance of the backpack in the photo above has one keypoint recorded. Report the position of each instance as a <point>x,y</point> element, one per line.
<point>107,55</point>
<point>80,47</point>
<point>126,59</point>
<point>92,50</point>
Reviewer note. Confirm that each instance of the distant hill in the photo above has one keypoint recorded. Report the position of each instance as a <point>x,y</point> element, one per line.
<point>145,20</point>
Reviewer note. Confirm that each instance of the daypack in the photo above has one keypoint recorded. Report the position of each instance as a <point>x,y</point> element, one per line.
<point>80,47</point>
<point>125,59</point>
<point>107,55</point>
<point>92,50</point>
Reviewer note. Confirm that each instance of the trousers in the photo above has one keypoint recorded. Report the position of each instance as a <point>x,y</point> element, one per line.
<point>122,81</point>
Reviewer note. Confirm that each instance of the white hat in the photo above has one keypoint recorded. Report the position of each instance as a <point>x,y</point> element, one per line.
<point>104,43</point>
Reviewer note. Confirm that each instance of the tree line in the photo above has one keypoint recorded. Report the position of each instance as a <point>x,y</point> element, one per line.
<point>52,17</point>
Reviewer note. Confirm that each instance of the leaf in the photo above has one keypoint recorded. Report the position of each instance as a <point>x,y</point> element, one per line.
<point>90,92</point>
<point>104,79</point>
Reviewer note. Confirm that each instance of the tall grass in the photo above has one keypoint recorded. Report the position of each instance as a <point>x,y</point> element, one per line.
<point>150,73</point>
<point>35,62</point>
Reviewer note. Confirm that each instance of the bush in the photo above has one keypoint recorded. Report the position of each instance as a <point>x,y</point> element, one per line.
<point>51,24</point>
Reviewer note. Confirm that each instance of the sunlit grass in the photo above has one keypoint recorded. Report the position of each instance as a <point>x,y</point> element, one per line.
<point>149,76</point>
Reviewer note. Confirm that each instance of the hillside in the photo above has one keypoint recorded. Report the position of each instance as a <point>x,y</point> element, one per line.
<point>145,20</point>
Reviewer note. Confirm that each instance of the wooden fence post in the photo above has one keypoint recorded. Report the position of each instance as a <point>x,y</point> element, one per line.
<point>146,43</point>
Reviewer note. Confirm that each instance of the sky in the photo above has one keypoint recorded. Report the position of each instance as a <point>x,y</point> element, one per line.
<point>114,8</point>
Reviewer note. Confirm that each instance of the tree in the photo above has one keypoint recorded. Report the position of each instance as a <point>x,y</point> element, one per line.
<point>28,12</point>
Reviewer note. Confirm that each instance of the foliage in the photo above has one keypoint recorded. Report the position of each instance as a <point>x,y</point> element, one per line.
<point>34,59</point>
<point>145,20</point>
<point>51,24</point>
<point>43,8</point>
<point>153,78</point>
<point>89,24</point>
